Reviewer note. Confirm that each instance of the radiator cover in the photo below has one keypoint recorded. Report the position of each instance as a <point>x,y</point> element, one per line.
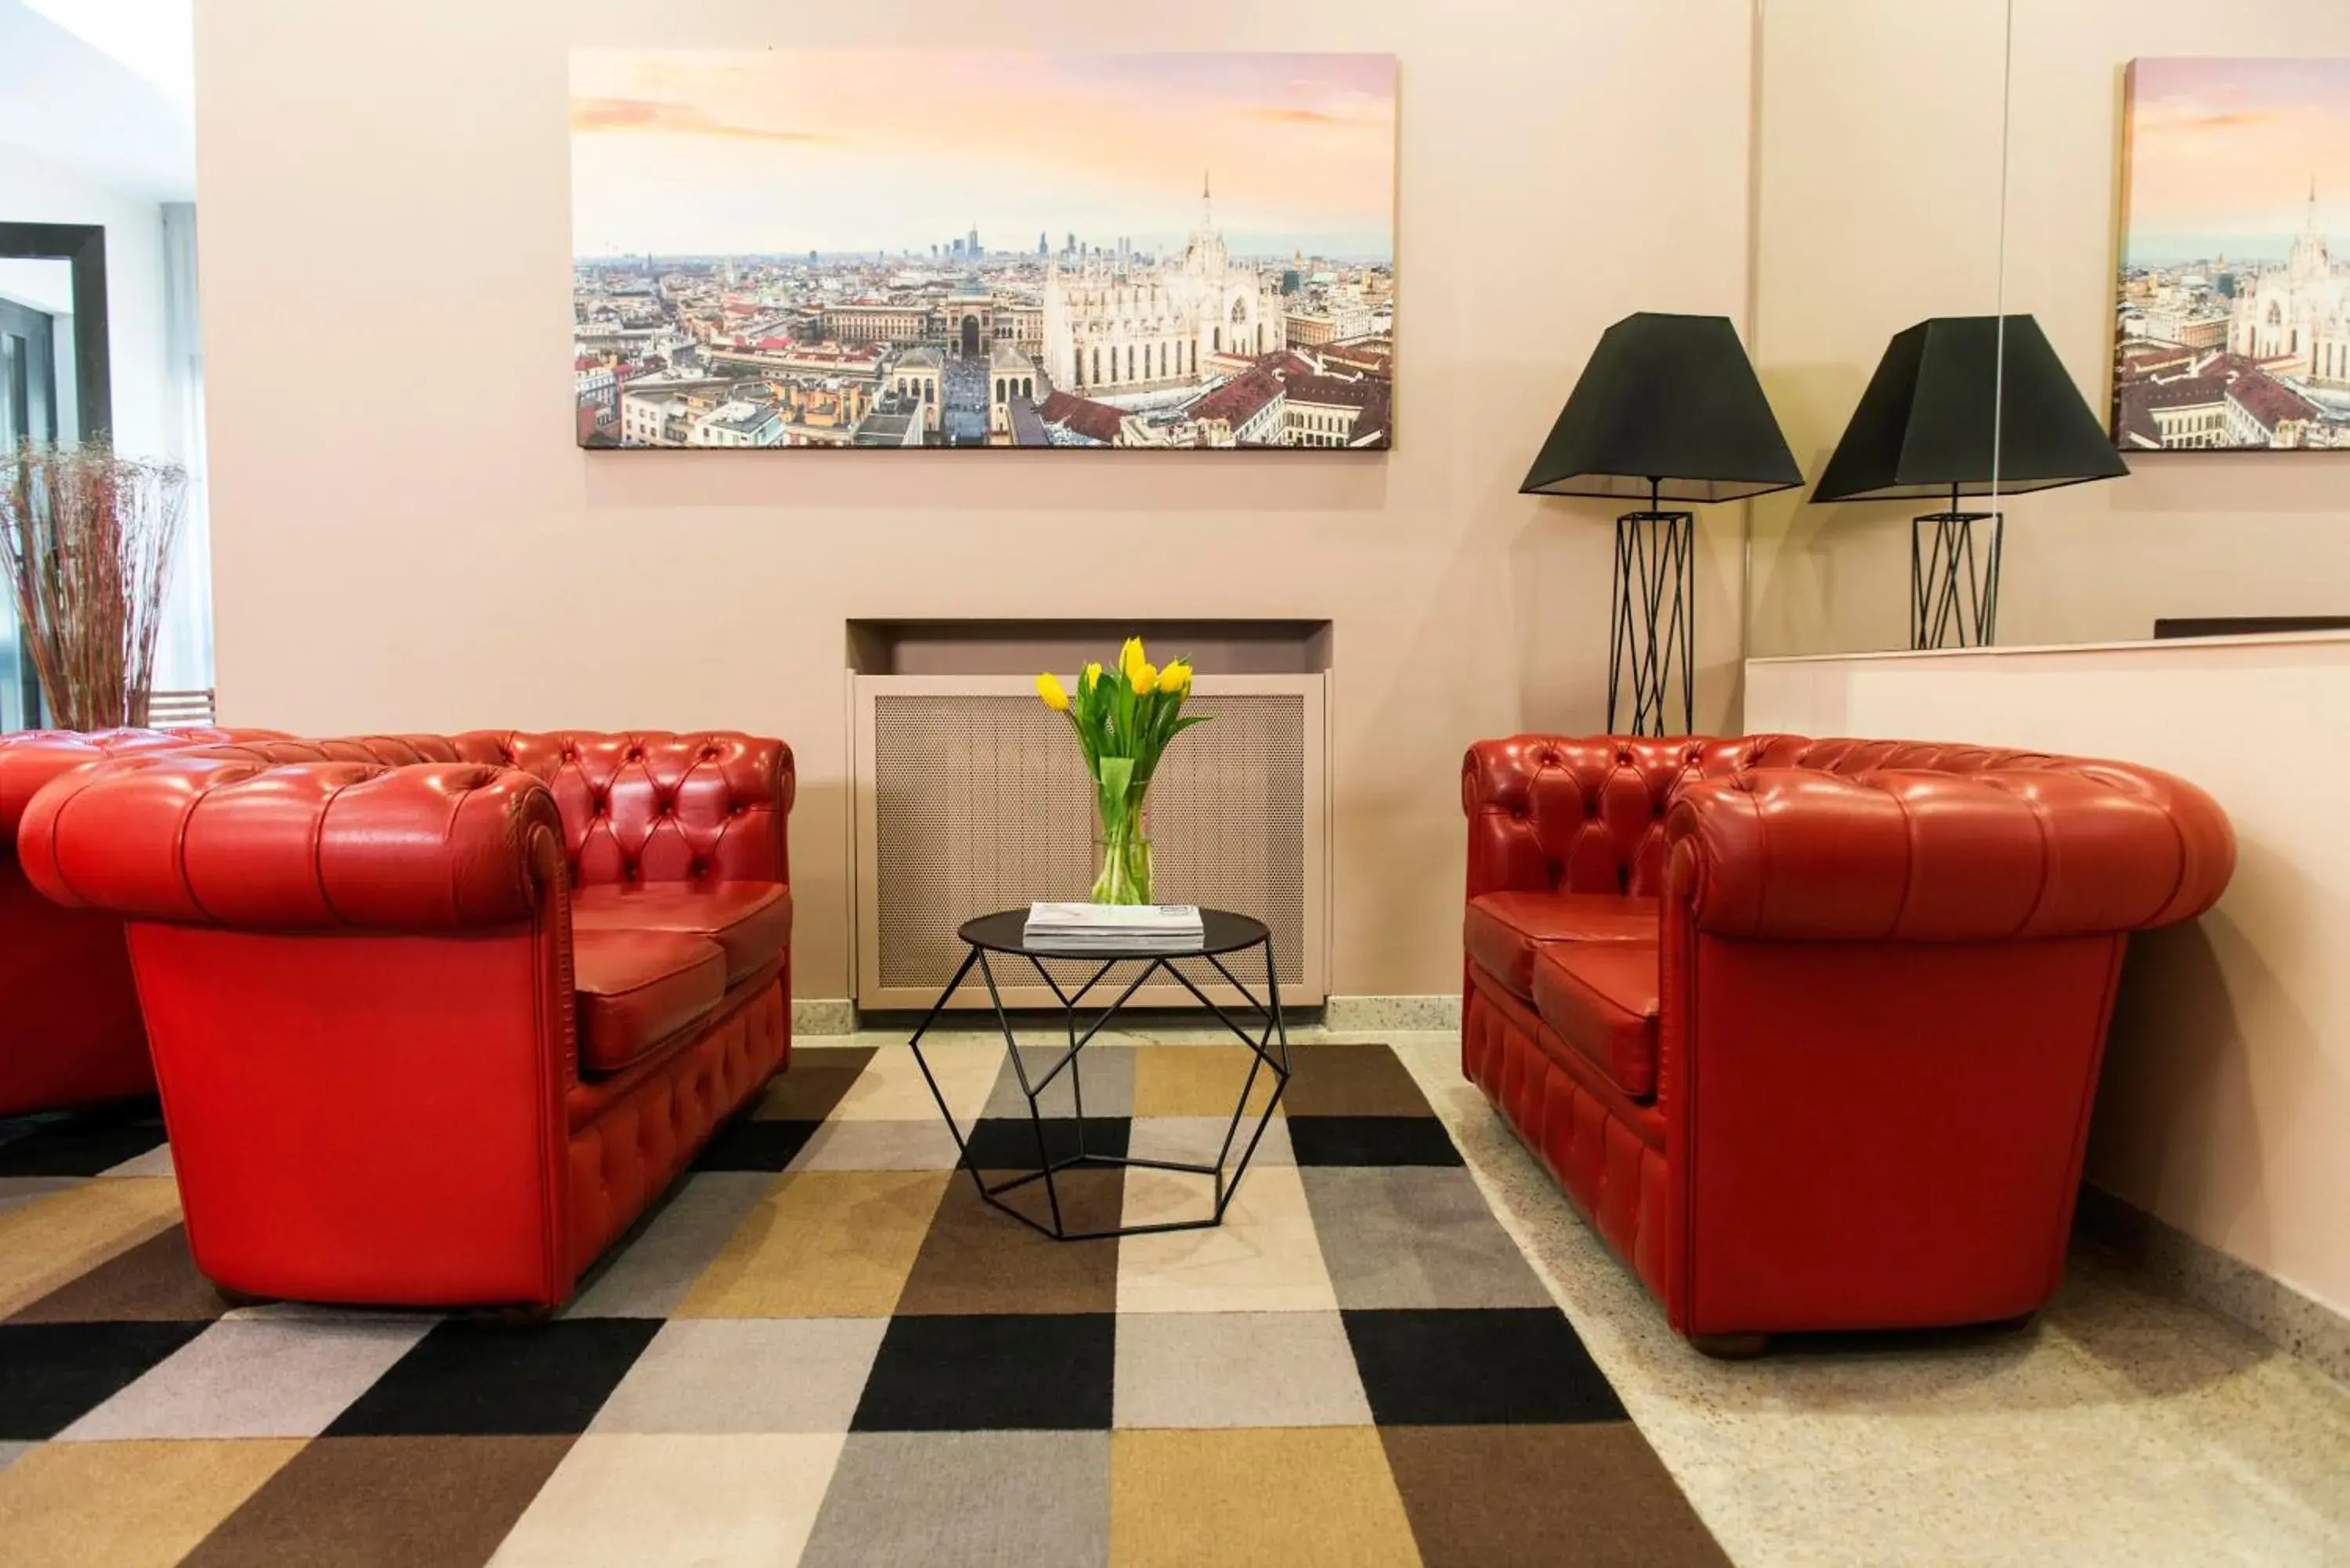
<point>971,796</point>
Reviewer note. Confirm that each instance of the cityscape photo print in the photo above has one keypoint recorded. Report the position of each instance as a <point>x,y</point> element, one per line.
<point>797,249</point>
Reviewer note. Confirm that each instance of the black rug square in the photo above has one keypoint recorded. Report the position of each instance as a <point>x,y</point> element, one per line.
<point>81,1145</point>
<point>747,1144</point>
<point>1478,1365</point>
<point>471,1377</point>
<point>992,1374</point>
<point>1009,1143</point>
<point>53,1374</point>
<point>1371,1140</point>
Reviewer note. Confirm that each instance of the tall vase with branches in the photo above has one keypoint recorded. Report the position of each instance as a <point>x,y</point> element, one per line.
<point>86,539</point>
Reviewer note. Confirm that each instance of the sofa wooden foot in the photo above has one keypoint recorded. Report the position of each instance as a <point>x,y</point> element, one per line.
<point>522,1316</point>
<point>1730,1346</point>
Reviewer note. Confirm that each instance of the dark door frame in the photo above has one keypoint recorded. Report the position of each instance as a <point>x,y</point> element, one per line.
<point>83,245</point>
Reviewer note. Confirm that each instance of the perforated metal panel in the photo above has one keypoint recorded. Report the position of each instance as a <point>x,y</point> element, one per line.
<point>978,800</point>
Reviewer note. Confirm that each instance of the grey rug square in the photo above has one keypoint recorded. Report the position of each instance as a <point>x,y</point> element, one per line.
<point>1415,1236</point>
<point>1106,1073</point>
<point>976,1499</point>
<point>651,1276</point>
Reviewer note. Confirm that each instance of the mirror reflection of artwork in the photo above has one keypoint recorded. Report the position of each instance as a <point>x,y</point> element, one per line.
<point>788,249</point>
<point>2233,314</point>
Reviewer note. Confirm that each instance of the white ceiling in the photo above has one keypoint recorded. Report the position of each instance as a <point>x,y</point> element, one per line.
<point>155,38</point>
<point>103,87</point>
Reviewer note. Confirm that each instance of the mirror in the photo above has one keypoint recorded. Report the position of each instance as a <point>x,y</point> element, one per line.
<point>2178,236</point>
<point>2180,226</point>
<point>1878,150</point>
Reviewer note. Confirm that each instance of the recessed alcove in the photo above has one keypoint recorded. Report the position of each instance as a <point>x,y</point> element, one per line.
<point>1012,647</point>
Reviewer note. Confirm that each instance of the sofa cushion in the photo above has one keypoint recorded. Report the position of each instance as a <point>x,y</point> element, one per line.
<point>1504,930</point>
<point>635,989</point>
<point>1600,998</point>
<point>750,921</point>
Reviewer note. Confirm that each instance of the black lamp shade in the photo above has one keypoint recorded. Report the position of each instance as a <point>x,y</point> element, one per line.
<point>1925,427</point>
<point>1667,399</point>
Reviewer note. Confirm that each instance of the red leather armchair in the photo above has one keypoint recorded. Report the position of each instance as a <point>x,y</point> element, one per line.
<point>1810,1029</point>
<point>435,1018</point>
<point>69,1030</point>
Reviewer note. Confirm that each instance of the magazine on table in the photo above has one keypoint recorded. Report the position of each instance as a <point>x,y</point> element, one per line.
<point>1112,925</point>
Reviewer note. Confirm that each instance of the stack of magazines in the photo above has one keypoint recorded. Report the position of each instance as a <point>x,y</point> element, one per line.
<point>1139,926</point>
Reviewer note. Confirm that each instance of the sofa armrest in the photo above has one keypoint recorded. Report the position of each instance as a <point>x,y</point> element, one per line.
<point>1796,853</point>
<point>208,839</point>
<point>29,759</point>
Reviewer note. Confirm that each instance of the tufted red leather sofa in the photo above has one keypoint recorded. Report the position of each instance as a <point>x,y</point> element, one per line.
<point>435,1018</point>
<point>1810,1030</point>
<point>69,1030</point>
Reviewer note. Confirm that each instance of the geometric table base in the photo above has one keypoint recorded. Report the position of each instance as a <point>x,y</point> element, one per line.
<point>1268,1048</point>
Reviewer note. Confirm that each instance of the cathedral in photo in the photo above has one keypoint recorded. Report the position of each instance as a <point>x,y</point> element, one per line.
<point>2297,316</point>
<point>1110,330</point>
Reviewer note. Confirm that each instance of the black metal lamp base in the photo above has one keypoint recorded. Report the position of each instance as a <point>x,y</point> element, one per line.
<point>1651,638</point>
<point>1268,1047</point>
<point>1953,584</point>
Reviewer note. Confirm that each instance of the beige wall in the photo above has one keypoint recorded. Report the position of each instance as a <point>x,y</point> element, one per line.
<point>1877,205</point>
<point>2225,1104</point>
<point>1849,252</point>
<point>406,536</point>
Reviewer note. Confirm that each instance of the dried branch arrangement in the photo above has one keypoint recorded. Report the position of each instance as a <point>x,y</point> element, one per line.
<point>85,540</point>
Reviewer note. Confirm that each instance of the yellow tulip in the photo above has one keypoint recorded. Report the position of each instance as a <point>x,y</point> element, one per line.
<point>1091,678</point>
<point>1050,690</point>
<point>1145,678</point>
<point>1130,658</point>
<point>1175,680</point>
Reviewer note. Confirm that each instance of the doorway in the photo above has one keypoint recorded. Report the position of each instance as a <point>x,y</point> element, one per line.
<point>29,376</point>
<point>54,383</point>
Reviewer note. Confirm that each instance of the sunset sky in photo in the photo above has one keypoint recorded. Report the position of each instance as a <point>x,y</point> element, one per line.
<point>686,152</point>
<point>2222,153</point>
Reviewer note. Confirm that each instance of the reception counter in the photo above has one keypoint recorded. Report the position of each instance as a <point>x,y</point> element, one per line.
<point>2225,1110</point>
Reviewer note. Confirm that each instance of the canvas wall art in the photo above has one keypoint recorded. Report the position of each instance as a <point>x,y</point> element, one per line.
<point>2232,318</point>
<point>823,249</point>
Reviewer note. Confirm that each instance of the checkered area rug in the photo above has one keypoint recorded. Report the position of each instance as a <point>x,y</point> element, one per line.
<point>825,1349</point>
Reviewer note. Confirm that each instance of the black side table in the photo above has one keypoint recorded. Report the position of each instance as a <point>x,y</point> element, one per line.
<point>1224,934</point>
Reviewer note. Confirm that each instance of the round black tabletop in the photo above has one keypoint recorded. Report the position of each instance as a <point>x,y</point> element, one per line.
<point>1006,931</point>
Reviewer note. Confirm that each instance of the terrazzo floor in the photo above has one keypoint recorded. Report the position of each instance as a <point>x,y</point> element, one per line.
<point>2124,1427</point>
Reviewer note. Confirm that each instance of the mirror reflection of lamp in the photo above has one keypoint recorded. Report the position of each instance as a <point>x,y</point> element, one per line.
<point>1965,406</point>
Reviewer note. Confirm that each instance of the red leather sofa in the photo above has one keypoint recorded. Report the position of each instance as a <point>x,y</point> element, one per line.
<point>1810,1029</point>
<point>435,1018</point>
<point>69,1030</point>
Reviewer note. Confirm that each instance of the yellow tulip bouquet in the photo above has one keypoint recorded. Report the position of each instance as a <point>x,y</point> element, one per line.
<point>1124,721</point>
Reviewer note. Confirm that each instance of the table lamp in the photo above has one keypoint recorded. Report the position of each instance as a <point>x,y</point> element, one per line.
<point>1670,409</point>
<point>1951,411</point>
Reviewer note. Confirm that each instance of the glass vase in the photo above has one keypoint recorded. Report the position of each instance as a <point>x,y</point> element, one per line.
<point>1125,853</point>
